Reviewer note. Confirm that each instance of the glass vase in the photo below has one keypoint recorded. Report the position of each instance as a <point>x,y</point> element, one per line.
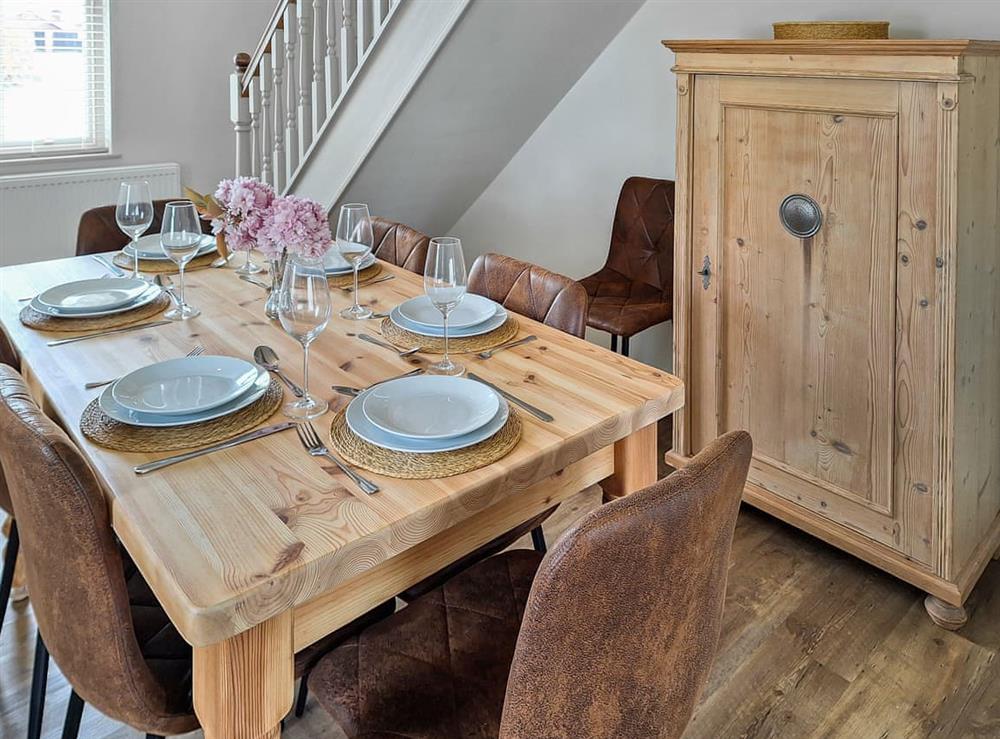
<point>276,270</point>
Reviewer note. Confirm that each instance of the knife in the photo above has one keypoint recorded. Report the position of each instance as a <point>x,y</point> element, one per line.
<point>536,412</point>
<point>142,469</point>
<point>60,342</point>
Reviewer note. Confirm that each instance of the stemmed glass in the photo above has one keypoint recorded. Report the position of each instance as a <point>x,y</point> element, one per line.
<point>354,242</point>
<point>445,282</point>
<point>249,266</point>
<point>180,237</point>
<point>134,214</point>
<point>304,310</point>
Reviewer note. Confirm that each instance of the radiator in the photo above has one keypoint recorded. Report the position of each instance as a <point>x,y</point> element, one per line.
<point>39,213</point>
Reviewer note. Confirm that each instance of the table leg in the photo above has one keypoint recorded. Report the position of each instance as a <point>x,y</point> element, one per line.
<point>243,686</point>
<point>635,464</point>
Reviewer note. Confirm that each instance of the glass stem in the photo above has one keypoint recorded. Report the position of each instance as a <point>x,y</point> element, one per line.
<point>447,360</point>
<point>246,263</point>
<point>305,371</point>
<point>135,257</point>
<point>180,268</point>
<point>357,306</point>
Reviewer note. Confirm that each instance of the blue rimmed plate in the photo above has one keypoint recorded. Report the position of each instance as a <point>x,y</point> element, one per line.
<point>496,321</point>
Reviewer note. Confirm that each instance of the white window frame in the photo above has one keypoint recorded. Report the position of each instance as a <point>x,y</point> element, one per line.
<point>99,143</point>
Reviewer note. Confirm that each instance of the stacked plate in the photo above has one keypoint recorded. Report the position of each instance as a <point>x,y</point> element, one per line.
<point>182,391</point>
<point>149,247</point>
<point>427,414</point>
<point>337,265</point>
<point>474,316</point>
<point>92,298</point>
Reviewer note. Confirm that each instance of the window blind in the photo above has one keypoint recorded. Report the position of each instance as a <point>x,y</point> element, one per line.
<point>54,78</point>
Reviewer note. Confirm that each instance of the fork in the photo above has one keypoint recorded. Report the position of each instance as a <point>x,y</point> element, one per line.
<point>166,284</point>
<point>91,385</point>
<point>510,344</point>
<point>311,441</point>
<point>110,266</point>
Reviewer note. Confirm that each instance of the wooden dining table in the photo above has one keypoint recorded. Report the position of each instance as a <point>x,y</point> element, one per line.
<point>261,550</point>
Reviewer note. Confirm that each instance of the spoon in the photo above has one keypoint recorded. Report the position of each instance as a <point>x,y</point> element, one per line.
<point>267,358</point>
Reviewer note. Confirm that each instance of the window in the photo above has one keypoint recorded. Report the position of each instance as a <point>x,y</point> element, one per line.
<point>54,78</point>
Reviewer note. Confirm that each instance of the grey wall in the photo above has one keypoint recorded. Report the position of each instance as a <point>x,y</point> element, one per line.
<point>554,200</point>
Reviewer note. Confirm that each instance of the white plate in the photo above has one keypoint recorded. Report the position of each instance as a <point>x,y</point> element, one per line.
<point>473,310</point>
<point>151,248</point>
<point>498,320</point>
<point>371,433</point>
<point>151,294</point>
<point>87,296</point>
<point>334,264</point>
<point>428,407</point>
<point>184,386</point>
<point>124,415</point>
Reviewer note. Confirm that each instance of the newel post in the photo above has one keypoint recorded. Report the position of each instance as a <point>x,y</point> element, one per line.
<point>239,114</point>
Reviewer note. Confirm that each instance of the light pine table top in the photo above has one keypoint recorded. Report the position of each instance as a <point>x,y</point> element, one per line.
<point>241,536</point>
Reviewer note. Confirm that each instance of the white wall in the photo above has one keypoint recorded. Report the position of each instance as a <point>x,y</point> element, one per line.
<point>553,202</point>
<point>170,65</point>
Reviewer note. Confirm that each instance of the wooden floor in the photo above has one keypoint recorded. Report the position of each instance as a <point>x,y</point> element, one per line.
<point>814,644</point>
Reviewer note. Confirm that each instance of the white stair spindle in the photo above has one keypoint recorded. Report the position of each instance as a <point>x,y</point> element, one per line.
<point>255,145</point>
<point>319,43</point>
<point>280,163</point>
<point>381,8</point>
<point>239,114</point>
<point>348,44</point>
<point>291,92</point>
<point>266,121</point>
<point>304,10</point>
<point>365,28</point>
<point>331,59</point>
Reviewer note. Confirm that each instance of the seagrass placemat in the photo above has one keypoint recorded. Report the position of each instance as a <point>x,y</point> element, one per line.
<point>105,431</point>
<point>33,319</point>
<point>408,466</point>
<point>347,280</point>
<point>456,344</point>
<point>164,266</point>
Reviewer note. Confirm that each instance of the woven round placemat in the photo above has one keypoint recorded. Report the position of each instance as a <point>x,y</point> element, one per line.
<point>33,319</point>
<point>97,426</point>
<point>409,466</point>
<point>347,280</point>
<point>456,344</point>
<point>164,266</point>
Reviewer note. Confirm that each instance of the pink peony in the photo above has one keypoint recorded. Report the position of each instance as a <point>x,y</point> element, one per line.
<point>297,224</point>
<point>245,201</point>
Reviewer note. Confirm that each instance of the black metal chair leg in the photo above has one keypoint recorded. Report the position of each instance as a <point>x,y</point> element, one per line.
<point>39,679</point>
<point>538,539</point>
<point>300,701</point>
<point>74,711</point>
<point>154,736</point>
<point>625,346</point>
<point>9,563</point>
<point>614,342</point>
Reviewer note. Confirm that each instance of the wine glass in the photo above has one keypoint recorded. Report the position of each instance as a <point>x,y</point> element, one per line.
<point>444,283</point>
<point>249,266</point>
<point>354,242</point>
<point>180,236</point>
<point>304,310</point>
<point>134,214</point>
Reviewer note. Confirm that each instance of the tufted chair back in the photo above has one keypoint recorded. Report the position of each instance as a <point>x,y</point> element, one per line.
<point>98,231</point>
<point>642,236</point>
<point>78,588</point>
<point>651,570</point>
<point>532,291</point>
<point>401,245</point>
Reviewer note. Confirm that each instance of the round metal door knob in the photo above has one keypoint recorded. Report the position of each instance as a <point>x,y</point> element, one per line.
<point>800,215</point>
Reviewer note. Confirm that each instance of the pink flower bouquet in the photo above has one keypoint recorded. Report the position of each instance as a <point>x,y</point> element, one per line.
<point>245,202</point>
<point>297,224</point>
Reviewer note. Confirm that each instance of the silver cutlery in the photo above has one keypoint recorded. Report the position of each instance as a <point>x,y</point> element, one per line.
<point>108,265</point>
<point>166,284</point>
<point>510,344</point>
<point>366,283</point>
<point>91,385</point>
<point>258,283</point>
<point>373,315</point>
<point>311,441</point>
<point>385,345</point>
<point>355,391</point>
<point>221,261</point>
<point>113,331</point>
<point>267,358</point>
<point>159,464</point>
<point>536,412</point>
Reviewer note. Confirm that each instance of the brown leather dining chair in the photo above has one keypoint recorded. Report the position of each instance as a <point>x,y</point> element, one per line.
<point>612,634</point>
<point>98,231</point>
<point>400,245</point>
<point>549,298</point>
<point>634,289</point>
<point>96,614</point>
<point>7,357</point>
